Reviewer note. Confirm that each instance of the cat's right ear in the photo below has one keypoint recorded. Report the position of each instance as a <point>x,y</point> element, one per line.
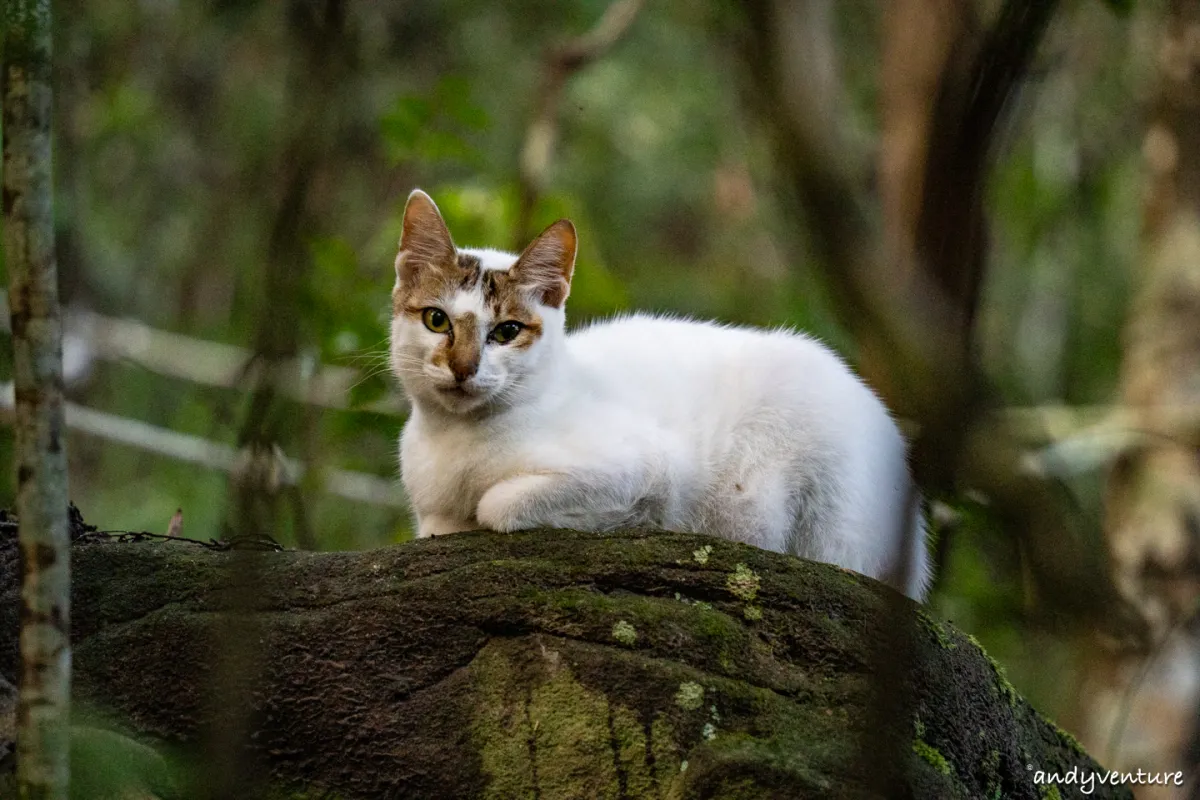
<point>424,240</point>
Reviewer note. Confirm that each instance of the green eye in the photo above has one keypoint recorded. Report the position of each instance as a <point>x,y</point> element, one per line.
<point>505,332</point>
<point>436,320</point>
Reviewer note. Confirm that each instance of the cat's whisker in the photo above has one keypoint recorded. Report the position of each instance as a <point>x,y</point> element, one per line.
<point>366,376</point>
<point>364,358</point>
<point>364,363</point>
<point>373,353</point>
<point>381,343</point>
<point>405,361</point>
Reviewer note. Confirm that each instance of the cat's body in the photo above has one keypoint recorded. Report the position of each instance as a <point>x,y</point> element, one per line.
<point>759,436</point>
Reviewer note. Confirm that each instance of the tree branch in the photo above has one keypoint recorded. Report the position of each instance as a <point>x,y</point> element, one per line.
<point>551,663</point>
<point>540,138</point>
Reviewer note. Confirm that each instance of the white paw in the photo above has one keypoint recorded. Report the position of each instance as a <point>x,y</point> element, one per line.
<point>434,525</point>
<point>504,507</point>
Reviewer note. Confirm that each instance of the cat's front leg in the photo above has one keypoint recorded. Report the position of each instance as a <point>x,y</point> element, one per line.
<point>439,525</point>
<point>554,500</point>
<point>507,506</point>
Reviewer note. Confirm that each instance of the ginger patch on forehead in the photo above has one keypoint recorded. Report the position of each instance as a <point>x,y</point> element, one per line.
<point>434,282</point>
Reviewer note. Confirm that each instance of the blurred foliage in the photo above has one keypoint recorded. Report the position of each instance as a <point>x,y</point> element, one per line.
<point>106,765</point>
<point>175,125</point>
<point>1120,7</point>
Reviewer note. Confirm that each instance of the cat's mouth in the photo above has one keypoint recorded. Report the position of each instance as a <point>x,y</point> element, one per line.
<point>459,392</point>
<point>460,399</point>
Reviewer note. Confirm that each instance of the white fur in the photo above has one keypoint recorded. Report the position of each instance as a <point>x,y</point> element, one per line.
<point>764,437</point>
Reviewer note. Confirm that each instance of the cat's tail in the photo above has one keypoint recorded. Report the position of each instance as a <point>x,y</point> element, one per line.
<point>911,568</point>
<point>920,567</point>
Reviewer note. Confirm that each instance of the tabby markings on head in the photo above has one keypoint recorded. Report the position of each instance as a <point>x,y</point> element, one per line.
<point>471,268</point>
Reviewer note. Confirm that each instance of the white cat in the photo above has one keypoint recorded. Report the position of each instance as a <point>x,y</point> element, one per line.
<point>764,437</point>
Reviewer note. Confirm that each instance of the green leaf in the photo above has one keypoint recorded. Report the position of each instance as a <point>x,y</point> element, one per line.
<point>432,129</point>
<point>454,97</point>
<point>478,215</point>
<point>333,257</point>
<point>402,126</point>
<point>106,765</point>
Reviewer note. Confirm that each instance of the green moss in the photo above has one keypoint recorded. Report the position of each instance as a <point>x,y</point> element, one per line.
<point>931,755</point>
<point>1002,687</point>
<point>752,612</point>
<point>706,632</point>
<point>793,752</point>
<point>701,554</point>
<point>624,633</point>
<point>989,768</point>
<point>574,739</point>
<point>1049,792</point>
<point>690,696</point>
<point>944,639</point>
<point>1066,739</point>
<point>687,601</point>
<point>743,583</point>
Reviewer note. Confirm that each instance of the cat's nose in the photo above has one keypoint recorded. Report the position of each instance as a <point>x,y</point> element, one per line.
<point>464,355</point>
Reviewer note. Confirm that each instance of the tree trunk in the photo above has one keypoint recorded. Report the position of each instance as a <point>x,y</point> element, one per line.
<point>545,664</point>
<point>41,469</point>
<point>1139,709</point>
<point>1154,493</point>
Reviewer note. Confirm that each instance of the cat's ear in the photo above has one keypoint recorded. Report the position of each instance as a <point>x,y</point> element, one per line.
<point>424,241</point>
<point>547,263</point>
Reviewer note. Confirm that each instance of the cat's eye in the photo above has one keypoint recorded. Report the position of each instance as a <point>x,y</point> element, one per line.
<point>436,320</point>
<point>505,332</point>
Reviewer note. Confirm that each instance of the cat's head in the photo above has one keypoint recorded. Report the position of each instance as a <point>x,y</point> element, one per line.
<point>471,328</point>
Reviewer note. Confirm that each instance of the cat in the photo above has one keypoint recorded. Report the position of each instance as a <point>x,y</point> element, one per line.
<point>764,437</point>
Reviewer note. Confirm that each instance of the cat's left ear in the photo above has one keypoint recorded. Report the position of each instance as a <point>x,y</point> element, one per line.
<point>546,265</point>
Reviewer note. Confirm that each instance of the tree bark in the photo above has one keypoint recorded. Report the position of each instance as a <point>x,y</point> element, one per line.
<point>41,474</point>
<point>544,664</point>
<point>1136,708</point>
<point>920,37</point>
<point>1154,492</point>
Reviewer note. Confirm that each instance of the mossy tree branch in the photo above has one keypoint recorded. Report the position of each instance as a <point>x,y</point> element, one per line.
<point>545,663</point>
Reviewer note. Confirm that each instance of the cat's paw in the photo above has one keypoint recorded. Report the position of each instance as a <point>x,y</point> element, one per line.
<point>506,506</point>
<point>436,525</point>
